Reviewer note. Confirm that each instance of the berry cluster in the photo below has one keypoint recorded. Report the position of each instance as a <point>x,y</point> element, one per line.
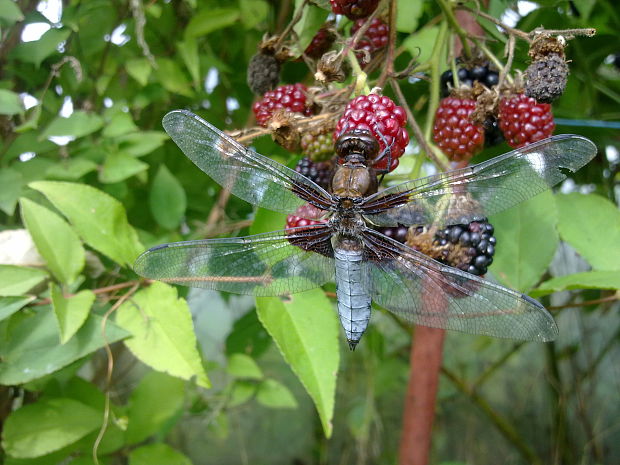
<point>384,120</point>
<point>354,9</point>
<point>375,38</point>
<point>454,131</point>
<point>468,247</point>
<point>318,147</point>
<point>291,97</point>
<point>523,120</point>
<point>467,77</point>
<point>320,173</point>
<point>306,215</point>
<point>321,43</point>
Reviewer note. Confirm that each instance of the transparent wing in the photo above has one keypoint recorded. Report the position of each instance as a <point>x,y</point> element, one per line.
<point>247,174</point>
<point>262,265</point>
<point>461,196</point>
<point>425,292</point>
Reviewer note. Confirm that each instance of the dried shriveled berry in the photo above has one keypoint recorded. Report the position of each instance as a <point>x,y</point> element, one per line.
<point>263,73</point>
<point>523,120</point>
<point>383,119</point>
<point>454,131</point>
<point>545,79</point>
<point>291,97</point>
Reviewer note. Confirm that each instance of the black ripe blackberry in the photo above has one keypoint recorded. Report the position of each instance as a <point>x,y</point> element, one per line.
<point>467,77</point>
<point>493,134</point>
<point>398,233</point>
<point>320,173</point>
<point>472,246</point>
<point>263,73</point>
<point>468,247</point>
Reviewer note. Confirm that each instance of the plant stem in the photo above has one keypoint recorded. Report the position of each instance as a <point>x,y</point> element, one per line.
<point>455,26</point>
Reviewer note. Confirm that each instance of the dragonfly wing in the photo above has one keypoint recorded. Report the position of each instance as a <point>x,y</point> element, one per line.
<point>262,265</point>
<point>425,292</point>
<point>247,174</point>
<point>468,194</point>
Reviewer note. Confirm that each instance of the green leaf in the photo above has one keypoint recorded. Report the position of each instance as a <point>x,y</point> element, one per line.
<point>56,241</point>
<point>305,329</point>
<point>121,123</point>
<point>591,224</point>
<point>17,280</point>
<point>585,280</point>
<point>172,78</point>
<point>420,45</point>
<point>47,425</point>
<point>139,69</point>
<point>11,182</point>
<point>10,12</point>
<point>98,218</point>
<point>10,305</point>
<point>243,366</point>
<point>157,454</point>
<point>119,166</point>
<point>71,169</point>
<point>408,16</point>
<point>311,21</point>
<point>526,241</point>
<point>36,51</point>
<point>188,49</point>
<point>254,12</point>
<point>273,394</point>
<point>79,124</point>
<point>32,349</point>
<point>211,19</point>
<point>241,392</point>
<point>141,143</point>
<point>71,312</point>
<point>152,404</point>
<point>167,199</point>
<point>10,102</point>
<point>163,334</point>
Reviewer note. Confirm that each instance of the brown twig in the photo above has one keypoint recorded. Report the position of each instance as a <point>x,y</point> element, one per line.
<point>388,68</point>
<point>602,300</point>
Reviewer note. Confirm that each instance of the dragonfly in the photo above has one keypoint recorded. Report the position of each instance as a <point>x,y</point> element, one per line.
<point>366,265</point>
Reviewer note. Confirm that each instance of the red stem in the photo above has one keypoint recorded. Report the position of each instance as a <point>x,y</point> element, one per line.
<point>426,356</point>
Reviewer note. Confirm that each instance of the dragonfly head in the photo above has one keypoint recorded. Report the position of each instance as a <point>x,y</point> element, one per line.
<point>358,146</point>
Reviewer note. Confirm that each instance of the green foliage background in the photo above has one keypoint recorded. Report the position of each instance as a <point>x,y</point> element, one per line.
<point>201,377</point>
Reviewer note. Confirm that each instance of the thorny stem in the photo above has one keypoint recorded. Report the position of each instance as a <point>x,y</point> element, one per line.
<point>500,422</point>
<point>455,26</point>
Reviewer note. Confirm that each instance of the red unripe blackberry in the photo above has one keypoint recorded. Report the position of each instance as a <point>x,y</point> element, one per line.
<point>321,43</point>
<point>320,173</point>
<point>306,215</point>
<point>454,131</point>
<point>383,119</point>
<point>523,120</point>
<point>354,9</point>
<point>375,38</point>
<point>291,97</point>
